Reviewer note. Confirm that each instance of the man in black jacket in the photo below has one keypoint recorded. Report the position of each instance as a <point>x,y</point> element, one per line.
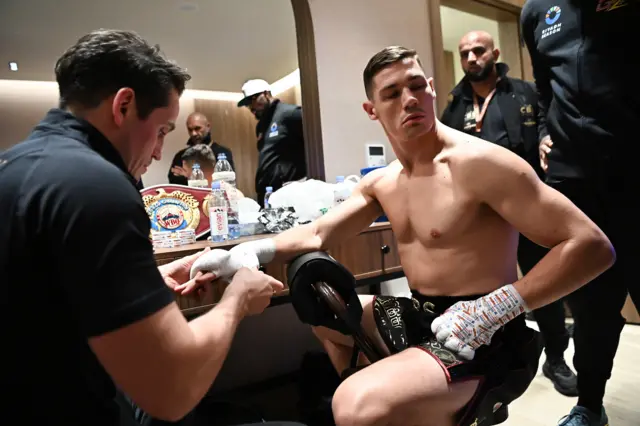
<point>199,130</point>
<point>578,51</point>
<point>490,105</point>
<point>281,153</point>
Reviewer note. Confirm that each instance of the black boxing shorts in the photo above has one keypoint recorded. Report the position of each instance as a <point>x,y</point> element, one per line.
<point>505,368</point>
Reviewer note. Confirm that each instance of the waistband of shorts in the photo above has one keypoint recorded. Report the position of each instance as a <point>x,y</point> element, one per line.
<point>438,304</point>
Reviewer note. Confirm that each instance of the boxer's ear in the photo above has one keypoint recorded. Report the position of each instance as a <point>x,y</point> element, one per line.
<point>370,110</point>
<point>432,87</point>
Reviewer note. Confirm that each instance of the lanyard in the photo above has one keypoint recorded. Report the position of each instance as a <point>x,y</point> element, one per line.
<point>479,114</point>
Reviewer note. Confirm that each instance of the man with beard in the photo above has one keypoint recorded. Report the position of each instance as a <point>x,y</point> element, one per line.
<point>199,130</point>
<point>281,154</point>
<point>503,110</point>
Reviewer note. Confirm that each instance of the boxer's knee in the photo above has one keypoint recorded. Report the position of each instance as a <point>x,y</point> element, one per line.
<point>358,406</point>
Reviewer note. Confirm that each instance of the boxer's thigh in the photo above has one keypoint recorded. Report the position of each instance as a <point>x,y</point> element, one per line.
<point>368,324</point>
<point>406,388</point>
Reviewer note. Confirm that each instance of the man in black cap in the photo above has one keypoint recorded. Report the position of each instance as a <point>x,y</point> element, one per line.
<point>199,130</point>
<point>281,157</point>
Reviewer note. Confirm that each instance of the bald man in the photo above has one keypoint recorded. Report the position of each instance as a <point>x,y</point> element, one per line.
<point>199,130</point>
<point>501,109</point>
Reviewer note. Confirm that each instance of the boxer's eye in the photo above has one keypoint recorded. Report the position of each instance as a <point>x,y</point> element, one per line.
<point>392,95</point>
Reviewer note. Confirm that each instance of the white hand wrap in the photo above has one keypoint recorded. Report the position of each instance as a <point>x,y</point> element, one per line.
<point>225,263</point>
<point>466,326</point>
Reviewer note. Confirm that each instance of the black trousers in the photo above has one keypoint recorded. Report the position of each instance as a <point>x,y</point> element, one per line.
<point>609,199</point>
<point>132,415</point>
<point>550,318</point>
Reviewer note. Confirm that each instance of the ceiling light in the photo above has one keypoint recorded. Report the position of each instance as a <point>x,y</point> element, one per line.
<point>13,66</point>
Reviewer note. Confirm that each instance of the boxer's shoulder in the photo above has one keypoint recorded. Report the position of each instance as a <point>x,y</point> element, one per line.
<point>475,159</point>
<point>381,178</point>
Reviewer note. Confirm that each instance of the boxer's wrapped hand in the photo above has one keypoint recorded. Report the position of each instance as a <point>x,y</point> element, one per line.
<point>466,326</point>
<point>223,264</point>
<point>177,273</point>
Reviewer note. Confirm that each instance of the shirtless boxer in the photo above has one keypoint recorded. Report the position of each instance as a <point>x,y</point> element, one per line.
<point>456,205</point>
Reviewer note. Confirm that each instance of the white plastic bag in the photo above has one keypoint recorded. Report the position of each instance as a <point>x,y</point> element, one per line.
<point>310,198</point>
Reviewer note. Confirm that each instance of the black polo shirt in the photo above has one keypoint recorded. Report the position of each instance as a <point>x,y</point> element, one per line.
<point>75,262</point>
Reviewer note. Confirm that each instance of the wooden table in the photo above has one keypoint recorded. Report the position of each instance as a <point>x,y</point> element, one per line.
<point>372,257</point>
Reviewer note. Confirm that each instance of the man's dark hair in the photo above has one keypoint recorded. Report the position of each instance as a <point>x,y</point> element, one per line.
<point>200,154</point>
<point>105,61</point>
<point>387,56</point>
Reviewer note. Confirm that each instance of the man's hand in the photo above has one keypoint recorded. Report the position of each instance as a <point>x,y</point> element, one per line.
<point>179,171</point>
<point>544,148</point>
<point>466,326</point>
<point>176,273</point>
<point>224,264</point>
<point>253,288</point>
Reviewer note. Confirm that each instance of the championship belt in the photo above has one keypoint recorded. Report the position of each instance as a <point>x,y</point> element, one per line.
<point>177,207</point>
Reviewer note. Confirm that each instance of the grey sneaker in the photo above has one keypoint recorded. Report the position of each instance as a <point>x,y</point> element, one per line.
<point>580,416</point>
<point>564,380</point>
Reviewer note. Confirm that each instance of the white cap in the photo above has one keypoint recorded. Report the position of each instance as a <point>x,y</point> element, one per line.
<point>251,88</point>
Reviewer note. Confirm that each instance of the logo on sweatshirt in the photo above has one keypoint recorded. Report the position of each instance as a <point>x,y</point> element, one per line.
<point>273,131</point>
<point>553,14</point>
<point>609,5</point>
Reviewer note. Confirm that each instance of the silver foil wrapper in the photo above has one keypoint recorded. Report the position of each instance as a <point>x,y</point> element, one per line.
<point>278,219</point>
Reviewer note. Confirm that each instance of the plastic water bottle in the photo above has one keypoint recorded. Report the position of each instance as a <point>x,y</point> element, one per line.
<point>341,191</point>
<point>223,172</point>
<point>218,210</point>
<point>266,196</point>
<point>197,179</point>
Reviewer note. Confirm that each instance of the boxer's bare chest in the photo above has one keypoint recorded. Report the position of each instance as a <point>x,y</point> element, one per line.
<point>433,208</point>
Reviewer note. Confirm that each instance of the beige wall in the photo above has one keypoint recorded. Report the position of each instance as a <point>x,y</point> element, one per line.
<point>347,34</point>
<point>24,104</point>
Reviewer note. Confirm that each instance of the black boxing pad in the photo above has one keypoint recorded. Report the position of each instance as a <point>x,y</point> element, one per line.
<point>307,270</point>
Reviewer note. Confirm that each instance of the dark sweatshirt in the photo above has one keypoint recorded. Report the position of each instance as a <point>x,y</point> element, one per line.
<point>579,51</point>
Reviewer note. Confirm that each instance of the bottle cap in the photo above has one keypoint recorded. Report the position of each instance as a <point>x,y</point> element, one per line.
<point>340,178</point>
<point>196,166</point>
<point>215,184</point>
<point>269,188</point>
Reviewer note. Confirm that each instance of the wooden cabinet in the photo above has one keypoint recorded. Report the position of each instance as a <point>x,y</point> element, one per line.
<point>372,253</point>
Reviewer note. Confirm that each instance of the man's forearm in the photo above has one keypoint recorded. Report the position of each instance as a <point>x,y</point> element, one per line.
<point>199,364</point>
<point>296,241</point>
<point>293,242</point>
<point>566,267</point>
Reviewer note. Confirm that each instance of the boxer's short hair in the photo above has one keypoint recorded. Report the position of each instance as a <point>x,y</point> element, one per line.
<point>387,56</point>
<point>104,61</point>
<point>200,154</point>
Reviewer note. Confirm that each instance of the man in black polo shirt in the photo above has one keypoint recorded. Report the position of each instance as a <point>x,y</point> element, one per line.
<point>490,105</point>
<point>281,153</point>
<point>85,308</point>
<point>199,130</point>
